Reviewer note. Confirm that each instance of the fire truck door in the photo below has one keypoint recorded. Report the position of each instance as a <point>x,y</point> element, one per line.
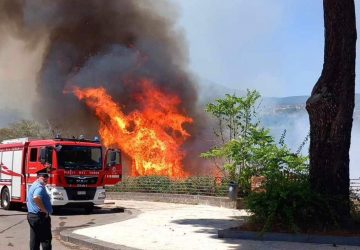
<point>11,171</point>
<point>113,167</point>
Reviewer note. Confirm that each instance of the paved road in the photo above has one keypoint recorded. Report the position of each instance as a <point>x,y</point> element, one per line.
<point>14,228</point>
<point>144,225</point>
<point>179,226</point>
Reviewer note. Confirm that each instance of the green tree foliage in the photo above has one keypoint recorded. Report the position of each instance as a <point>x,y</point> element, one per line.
<point>235,117</point>
<point>24,128</point>
<point>246,147</point>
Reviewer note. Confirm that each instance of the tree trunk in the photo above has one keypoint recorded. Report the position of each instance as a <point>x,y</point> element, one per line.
<point>331,107</point>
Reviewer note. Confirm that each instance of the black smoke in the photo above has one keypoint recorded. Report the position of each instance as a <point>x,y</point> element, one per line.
<point>109,43</point>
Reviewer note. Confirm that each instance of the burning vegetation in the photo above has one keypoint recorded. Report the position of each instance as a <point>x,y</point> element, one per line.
<point>152,136</point>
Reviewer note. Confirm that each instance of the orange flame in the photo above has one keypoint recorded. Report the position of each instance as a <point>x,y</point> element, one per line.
<point>152,137</point>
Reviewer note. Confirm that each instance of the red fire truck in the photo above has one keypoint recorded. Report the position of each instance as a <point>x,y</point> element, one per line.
<point>78,170</point>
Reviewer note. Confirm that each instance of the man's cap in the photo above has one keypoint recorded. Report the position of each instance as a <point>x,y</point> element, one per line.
<point>43,174</point>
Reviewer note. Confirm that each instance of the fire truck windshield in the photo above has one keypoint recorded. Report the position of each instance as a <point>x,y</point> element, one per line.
<point>79,157</point>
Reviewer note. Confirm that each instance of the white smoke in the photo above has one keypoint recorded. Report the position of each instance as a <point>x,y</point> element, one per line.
<point>18,70</point>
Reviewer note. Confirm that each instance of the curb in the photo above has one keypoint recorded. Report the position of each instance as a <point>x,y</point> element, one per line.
<point>77,239</point>
<point>302,238</point>
<point>67,235</point>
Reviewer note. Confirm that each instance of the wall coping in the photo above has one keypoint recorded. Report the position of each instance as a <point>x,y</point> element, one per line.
<point>178,198</point>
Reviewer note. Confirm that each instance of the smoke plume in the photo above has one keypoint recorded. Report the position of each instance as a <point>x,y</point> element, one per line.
<point>91,43</point>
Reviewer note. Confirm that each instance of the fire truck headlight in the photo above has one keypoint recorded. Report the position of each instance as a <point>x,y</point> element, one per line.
<point>102,195</point>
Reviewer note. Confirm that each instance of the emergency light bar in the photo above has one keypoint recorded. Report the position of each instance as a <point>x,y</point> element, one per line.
<point>96,139</point>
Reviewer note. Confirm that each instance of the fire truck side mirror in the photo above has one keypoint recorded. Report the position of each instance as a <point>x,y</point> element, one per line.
<point>113,158</point>
<point>45,155</point>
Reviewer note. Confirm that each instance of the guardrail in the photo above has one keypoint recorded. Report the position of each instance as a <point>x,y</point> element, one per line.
<point>355,187</point>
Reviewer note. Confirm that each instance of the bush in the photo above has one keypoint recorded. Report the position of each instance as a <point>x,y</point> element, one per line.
<point>289,204</point>
<point>199,185</point>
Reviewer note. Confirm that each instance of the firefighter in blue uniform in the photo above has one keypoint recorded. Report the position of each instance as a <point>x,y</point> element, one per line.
<point>39,210</point>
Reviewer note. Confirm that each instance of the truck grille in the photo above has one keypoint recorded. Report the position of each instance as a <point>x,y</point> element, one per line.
<point>80,193</point>
<point>81,179</point>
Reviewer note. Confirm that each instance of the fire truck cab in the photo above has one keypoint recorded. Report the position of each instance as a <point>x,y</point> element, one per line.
<point>78,170</point>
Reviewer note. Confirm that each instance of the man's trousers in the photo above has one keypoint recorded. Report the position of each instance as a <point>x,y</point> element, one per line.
<point>40,231</point>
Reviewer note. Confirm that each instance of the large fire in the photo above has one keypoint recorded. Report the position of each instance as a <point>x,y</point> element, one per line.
<point>152,136</point>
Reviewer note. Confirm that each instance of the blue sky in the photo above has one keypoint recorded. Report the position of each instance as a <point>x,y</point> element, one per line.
<point>274,46</point>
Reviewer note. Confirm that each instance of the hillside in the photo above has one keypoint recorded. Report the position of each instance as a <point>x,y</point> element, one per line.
<point>296,104</point>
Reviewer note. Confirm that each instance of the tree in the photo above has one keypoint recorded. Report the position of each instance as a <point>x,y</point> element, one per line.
<point>235,117</point>
<point>246,147</point>
<point>331,106</point>
<point>24,128</point>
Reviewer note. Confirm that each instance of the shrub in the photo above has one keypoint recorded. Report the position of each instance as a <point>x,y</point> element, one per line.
<point>289,204</point>
<point>196,185</point>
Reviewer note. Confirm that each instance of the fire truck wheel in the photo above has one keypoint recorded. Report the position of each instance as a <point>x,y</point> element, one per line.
<point>5,199</point>
<point>89,209</point>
